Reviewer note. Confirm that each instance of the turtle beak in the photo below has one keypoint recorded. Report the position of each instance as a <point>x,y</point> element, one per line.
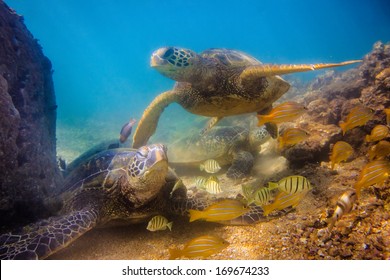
<point>156,60</point>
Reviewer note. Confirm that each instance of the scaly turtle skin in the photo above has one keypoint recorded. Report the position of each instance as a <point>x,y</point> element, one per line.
<point>233,145</point>
<point>216,83</point>
<point>112,187</point>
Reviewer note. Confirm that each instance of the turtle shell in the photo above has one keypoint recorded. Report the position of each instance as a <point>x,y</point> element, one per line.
<point>231,58</point>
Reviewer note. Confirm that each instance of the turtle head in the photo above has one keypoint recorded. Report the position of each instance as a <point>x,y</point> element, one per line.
<point>175,63</point>
<point>147,171</point>
<point>258,136</point>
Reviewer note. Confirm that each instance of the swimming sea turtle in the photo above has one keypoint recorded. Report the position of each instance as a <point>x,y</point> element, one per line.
<point>233,145</point>
<point>111,187</point>
<point>216,83</point>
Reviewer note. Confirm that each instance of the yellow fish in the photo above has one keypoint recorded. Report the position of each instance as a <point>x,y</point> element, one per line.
<point>291,184</point>
<point>285,112</point>
<point>292,136</point>
<point>341,151</point>
<point>387,112</point>
<point>210,166</point>
<point>200,247</point>
<point>374,172</point>
<point>358,116</point>
<point>343,206</point>
<point>159,223</point>
<point>224,210</point>
<point>380,150</point>
<point>378,133</point>
<point>212,185</point>
<point>200,182</point>
<point>261,196</point>
<point>247,191</point>
<point>179,184</point>
<point>284,200</point>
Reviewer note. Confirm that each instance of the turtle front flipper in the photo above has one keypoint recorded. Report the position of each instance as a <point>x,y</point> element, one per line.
<point>266,70</point>
<point>241,166</point>
<point>41,239</point>
<point>148,123</point>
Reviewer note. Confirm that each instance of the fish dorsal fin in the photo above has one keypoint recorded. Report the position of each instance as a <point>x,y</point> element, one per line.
<point>266,70</point>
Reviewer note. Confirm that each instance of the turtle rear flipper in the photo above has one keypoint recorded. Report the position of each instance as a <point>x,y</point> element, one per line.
<point>266,70</point>
<point>148,123</point>
<point>241,166</point>
<point>41,239</point>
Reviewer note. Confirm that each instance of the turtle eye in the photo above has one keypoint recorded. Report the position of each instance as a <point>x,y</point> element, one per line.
<point>168,53</point>
<point>142,152</point>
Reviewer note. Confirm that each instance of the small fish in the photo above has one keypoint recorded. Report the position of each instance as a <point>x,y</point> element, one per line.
<point>210,166</point>
<point>224,210</point>
<point>200,247</point>
<point>159,223</point>
<point>285,112</point>
<point>387,112</point>
<point>212,185</point>
<point>261,196</point>
<point>126,130</point>
<point>341,151</point>
<point>200,182</point>
<point>378,133</point>
<point>179,184</point>
<point>380,150</point>
<point>291,184</point>
<point>374,172</point>
<point>284,200</point>
<point>358,116</point>
<point>292,136</point>
<point>343,206</point>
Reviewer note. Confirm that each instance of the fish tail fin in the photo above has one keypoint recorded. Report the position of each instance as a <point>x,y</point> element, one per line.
<point>332,164</point>
<point>262,119</point>
<point>368,138</point>
<point>169,225</point>
<point>357,188</point>
<point>280,143</point>
<point>174,253</point>
<point>330,221</point>
<point>272,185</point>
<point>343,126</point>
<point>267,209</point>
<point>195,215</point>
<point>201,167</point>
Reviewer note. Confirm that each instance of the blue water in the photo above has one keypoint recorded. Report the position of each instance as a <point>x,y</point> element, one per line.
<point>100,50</point>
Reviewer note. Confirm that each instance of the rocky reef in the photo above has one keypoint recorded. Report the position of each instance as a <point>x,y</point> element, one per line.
<point>28,168</point>
<point>329,99</point>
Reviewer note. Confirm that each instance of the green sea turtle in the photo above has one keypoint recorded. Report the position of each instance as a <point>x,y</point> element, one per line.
<point>216,83</point>
<point>111,187</point>
<point>234,145</point>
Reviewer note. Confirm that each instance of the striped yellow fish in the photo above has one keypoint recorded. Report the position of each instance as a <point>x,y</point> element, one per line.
<point>285,112</point>
<point>343,206</point>
<point>378,133</point>
<point>261,196</point>
<point>380,150</point>
<point>358,116</point>
<point>374,172</point>
<point>284,200</point>
<point>341,151</point>
<point>224,210</point>
<point>210,166</point>
<point>159,223</point>
<point>212,185</point>
<point>292,136</point>
<point>291,184</point>
<point>387,112</point>
<point>200,247</point>
<point>200,181</point>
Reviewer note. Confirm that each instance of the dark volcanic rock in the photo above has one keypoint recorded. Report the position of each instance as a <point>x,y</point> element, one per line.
<point>28,169</point>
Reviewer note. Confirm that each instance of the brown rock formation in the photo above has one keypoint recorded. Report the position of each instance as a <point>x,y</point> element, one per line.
<point>28,169</point>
